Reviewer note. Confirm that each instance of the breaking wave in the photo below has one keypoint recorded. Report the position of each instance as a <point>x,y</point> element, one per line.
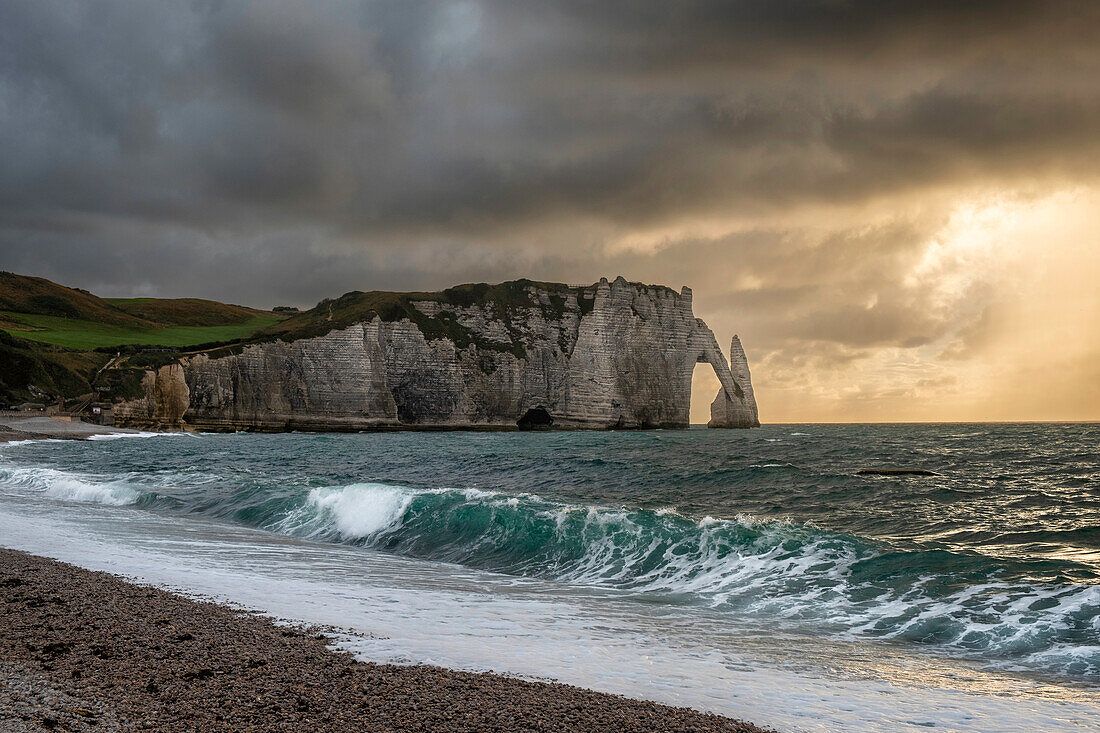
<point>846,585</point>
<point>125,436</point>
<point>1029,612</point>
<point>68,487</point>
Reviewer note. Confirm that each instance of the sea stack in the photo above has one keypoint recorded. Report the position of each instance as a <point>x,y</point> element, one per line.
<point>737,409</point>
<point>520,354</point>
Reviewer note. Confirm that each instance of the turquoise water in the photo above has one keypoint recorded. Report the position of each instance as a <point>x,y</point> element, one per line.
<point>996,560</point>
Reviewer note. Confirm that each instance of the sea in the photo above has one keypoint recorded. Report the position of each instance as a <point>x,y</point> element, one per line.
<point>752,573</point>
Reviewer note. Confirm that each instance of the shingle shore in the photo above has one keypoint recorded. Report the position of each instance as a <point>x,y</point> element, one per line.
<point>83,650</point>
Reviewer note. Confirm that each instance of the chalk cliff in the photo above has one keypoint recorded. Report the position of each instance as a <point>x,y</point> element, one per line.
<point>736,412</point>
<point>533,355</point>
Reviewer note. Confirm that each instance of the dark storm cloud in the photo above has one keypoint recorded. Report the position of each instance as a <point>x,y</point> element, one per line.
<point>347,140</point>
<point>662,37</point>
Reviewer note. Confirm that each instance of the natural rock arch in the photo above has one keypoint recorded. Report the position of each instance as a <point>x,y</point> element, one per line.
<point>735,404</point>
<point>736,408</point>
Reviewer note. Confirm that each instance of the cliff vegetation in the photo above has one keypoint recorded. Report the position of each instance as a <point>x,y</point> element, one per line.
<point>36,309</point>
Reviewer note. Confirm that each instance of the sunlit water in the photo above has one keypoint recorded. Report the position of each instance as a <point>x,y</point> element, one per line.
<point>750,573</point>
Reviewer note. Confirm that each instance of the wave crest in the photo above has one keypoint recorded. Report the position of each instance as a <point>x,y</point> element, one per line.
<point>354,512</point>
<point>124,436</point>
<point>764,568</point>
<point>70,487</point>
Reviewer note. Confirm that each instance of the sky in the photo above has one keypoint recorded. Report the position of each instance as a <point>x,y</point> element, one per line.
<point>894,203</point>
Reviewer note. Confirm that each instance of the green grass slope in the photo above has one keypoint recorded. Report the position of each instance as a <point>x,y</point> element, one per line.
<point>49,335</point>
<point>187,311</point>
<point>36,309</point>
<point>80,334</point>
<point>38,296</point>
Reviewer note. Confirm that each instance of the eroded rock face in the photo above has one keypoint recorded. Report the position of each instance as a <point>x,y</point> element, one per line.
<point>737,410</point>
<point>611,355</point>
<point>165,403</point>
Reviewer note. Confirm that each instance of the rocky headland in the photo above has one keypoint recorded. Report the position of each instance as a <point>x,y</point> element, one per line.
<point>519,354</point>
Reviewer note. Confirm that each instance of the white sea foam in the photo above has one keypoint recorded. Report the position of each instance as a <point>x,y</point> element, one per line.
<point>114,493</point>
<point>402,610</point>
<point>120,436</point>
<point>759,567</point>
<point>476,494</point>
<point>65,486</point>
<point>356,511</point>
<point>794,572</point>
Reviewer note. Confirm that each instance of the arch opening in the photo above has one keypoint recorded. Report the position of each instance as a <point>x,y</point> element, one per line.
<point>704,385</point>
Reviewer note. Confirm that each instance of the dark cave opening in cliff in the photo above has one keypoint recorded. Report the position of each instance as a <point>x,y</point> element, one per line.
<point>704,386</point>
<point>537,418</point>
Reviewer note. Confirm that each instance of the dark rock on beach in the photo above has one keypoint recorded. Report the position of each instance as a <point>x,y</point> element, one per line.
<point>85,651</point>
<point>7,436</point>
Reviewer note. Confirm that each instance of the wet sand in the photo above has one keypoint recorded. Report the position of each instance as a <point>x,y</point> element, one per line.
<point>83,650</point>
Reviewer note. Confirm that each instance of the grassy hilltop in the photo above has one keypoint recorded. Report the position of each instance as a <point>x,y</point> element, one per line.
<point>39,310</point>
<point>54,339</point>
<point>81,334</point>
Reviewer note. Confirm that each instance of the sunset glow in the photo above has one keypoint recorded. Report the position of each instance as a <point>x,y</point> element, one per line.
<point>894,207</point>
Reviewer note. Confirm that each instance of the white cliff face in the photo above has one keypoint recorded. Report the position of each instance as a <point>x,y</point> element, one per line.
<point>736,410</point>
<point>612,355</point>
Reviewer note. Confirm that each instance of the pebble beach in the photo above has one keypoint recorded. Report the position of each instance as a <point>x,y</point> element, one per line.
<point>86,651</point>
